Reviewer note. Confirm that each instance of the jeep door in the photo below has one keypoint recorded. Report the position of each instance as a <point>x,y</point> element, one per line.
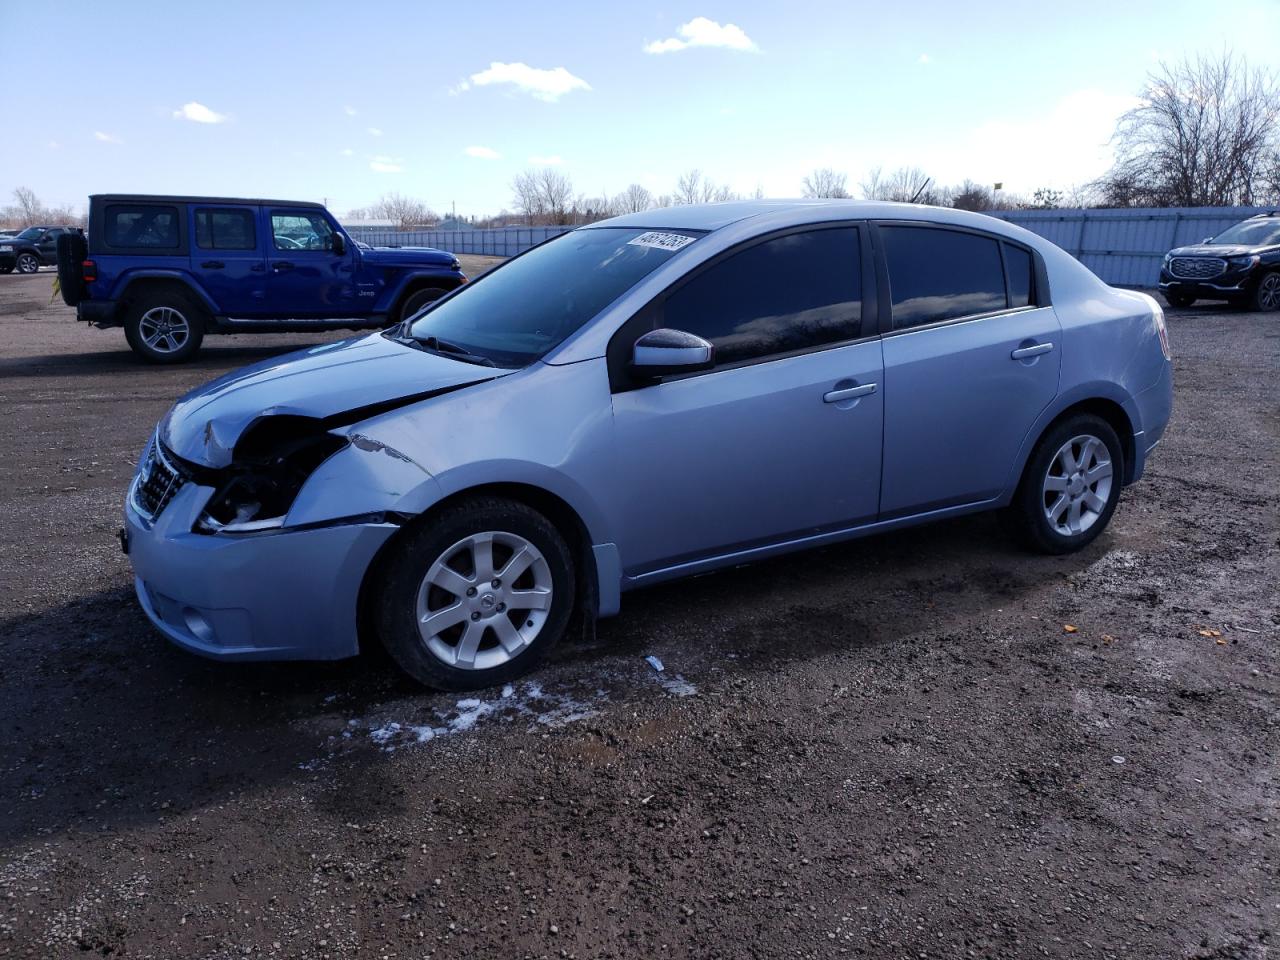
<point>781,438</point>
<point>971,358</point>
<point>310,268</point>
<point>228,258</point>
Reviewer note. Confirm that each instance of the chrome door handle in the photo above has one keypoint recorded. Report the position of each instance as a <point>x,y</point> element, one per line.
<point>1022,353</point>
<point>849,393</point>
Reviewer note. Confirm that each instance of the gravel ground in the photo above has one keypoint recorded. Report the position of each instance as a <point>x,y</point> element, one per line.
<point>891,748</point>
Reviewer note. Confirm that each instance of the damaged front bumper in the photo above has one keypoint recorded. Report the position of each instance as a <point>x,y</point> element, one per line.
<point>290,594</point>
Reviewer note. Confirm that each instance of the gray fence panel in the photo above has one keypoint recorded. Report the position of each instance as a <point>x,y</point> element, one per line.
<point>1123,247</point>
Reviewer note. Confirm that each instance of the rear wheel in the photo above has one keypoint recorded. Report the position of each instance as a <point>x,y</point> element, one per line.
<point>164,326</point>
<point>1179,300</point>
<point>1070,487</point>
<point>1266,295</point>
<point>28,263</point>
<point>419,299</point>
<point>476,596</point>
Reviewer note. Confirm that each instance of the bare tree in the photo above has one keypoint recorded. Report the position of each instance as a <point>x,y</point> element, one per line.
<point>634,199</point>
<point>404,211</point>
<point>527,196</point>
<point>825,182</point>
<point>557,193</point>
<point>972,196</point>
<point>1046,198</point>
<point>688,187</point>
<point>30,209</point>
<point>1202,136</point>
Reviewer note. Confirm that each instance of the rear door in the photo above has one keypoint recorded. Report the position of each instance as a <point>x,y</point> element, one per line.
<point>971,358</point>
<point>306,277</point>
<point>228,258</point>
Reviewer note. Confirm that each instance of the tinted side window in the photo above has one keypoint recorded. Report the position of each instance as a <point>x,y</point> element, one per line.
<point>1018,262</point>
<point>793,292</point>
<point>149,226</point>
<point>225,230</point>
<point>941,274</point>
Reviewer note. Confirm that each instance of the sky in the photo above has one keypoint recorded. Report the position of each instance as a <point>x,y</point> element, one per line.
<point>447,102</point>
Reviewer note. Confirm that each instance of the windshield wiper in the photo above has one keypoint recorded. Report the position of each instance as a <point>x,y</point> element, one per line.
<point>444,347</point>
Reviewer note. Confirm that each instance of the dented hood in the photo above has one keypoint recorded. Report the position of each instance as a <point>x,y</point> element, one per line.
<point>323,382</point>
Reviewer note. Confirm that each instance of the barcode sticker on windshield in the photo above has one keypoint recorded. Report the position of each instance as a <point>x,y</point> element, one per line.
<point>662,241</point>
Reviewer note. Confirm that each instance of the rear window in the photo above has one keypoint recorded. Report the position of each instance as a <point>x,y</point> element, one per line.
<point>1018,262</point>
<point>225,230</point>
<point>937,275</point>
<point>151,227</point>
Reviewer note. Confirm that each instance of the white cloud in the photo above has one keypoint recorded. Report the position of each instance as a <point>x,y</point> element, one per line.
<point>106,137</point>
<point>375,132</point>
<point>350,111</point>
<point>551,160</point>
<point>198,113</point>
<point>347,151</point>
<point>549,85</point>
<point>462,86</point>
<point>701,32</point>
<point>924,58</point>
<point>482,153</point>
<point>387,164</point>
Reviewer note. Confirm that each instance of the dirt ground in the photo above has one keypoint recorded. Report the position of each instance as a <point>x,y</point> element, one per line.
<point>891,748</point>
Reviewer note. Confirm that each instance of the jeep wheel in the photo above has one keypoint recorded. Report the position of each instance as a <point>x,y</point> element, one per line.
<point>164,327</point>
<point>28,263</point>
<point>1266,295</point>
<point>419,299</point>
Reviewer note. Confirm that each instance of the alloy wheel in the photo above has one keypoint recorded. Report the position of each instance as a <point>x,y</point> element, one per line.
<point>164,329</point>
<point>484,600</point>
<point>1269,292</point>
<point>1077,485</point>
<point>27,263</point>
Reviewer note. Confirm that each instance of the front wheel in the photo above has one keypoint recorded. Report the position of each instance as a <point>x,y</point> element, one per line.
<point>28,263</point>
<point>6,268</point>
<point>164,327</point>
<point>419,299</point>
<point>1266,295</point>
<point>1070,486</point>
<point>1179,300</point>
<point>475,596</point>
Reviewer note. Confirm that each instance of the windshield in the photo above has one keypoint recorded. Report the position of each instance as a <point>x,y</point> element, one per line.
<point>520,311</point>
<point>30,233</point>
<point>1251,233</point>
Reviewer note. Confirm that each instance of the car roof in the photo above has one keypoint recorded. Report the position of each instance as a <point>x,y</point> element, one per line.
<point>783,213</point>
<point>167,198</point>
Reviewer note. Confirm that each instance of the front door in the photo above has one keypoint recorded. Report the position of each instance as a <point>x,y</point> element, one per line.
<point>970,363</point>
<point>306,275</point>
<point>781,439</point>
<point>228,259</point>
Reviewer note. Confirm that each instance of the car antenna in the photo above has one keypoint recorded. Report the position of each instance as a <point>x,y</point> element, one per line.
<point>915,196</point>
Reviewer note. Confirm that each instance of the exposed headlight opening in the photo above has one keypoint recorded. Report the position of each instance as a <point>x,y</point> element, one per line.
<point>272,460</point>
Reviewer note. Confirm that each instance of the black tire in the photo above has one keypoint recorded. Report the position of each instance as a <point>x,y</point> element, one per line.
<point>1026,515</point>
<point>403,573</point>
<point>1178,300</point>
<point>174,299</point>
<point>1266,292</point>
<point>419,299</point>
<point>72,251</point>
<point>27,262</point>
<point>6,268</point>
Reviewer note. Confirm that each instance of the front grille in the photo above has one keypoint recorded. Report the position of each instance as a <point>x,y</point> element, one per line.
<point>1197,268</point>
<point>156,483</point>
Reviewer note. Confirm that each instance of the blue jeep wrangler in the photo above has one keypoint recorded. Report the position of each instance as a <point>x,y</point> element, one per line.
<point>171,269</point>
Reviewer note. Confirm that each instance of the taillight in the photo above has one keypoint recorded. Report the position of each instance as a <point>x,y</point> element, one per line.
<point>1157,315</point>
<point>89,271</point>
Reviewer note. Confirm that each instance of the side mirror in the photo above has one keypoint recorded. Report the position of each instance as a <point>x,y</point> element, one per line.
<point>1207,240</point>
<point>663,352</point>
<point>339,245</point>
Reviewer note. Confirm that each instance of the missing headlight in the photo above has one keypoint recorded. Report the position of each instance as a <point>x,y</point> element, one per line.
<point>270,463</point>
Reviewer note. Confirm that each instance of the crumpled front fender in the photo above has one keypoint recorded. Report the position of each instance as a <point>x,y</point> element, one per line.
<point>365,477</point>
